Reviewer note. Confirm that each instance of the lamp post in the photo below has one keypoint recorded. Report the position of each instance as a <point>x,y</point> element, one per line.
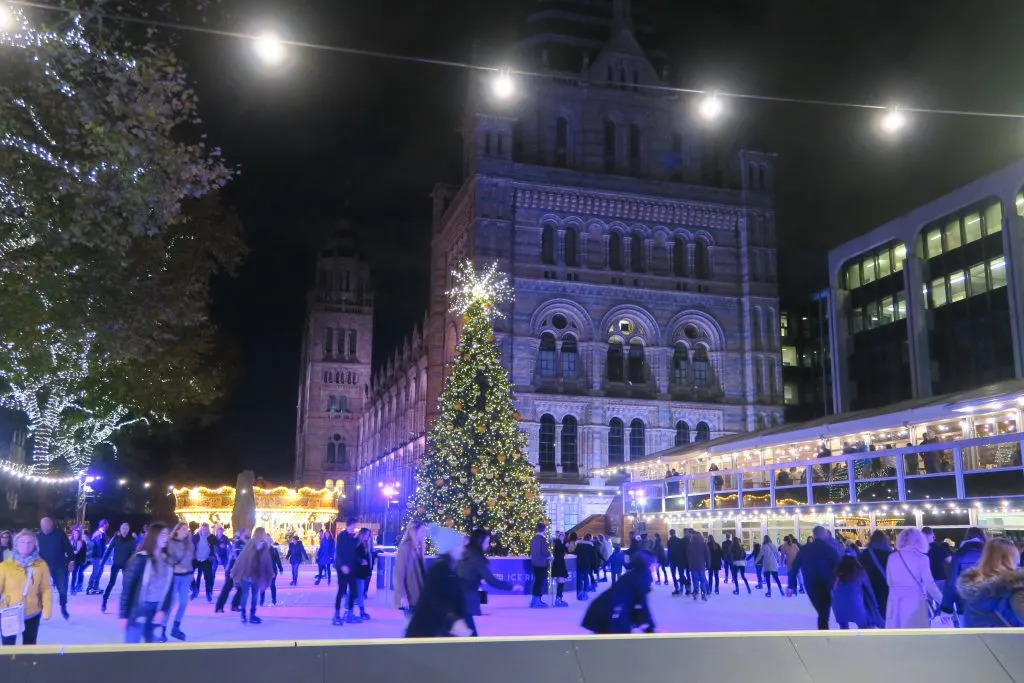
<point>85,491</point>
<point>390,492</point>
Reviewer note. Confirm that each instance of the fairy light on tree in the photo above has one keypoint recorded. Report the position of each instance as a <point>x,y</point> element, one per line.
<point>475,472</point>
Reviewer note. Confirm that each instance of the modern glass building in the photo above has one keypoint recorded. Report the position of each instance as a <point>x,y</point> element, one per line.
<point>932,302</point>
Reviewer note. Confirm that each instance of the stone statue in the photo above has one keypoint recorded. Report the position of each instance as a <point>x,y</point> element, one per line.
<point>243,515</point>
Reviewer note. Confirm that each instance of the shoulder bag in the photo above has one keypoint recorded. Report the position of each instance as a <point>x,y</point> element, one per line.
<point>12,619</point>
<point>932,612</point>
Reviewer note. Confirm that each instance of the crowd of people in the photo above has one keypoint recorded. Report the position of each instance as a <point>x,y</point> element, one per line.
<point>907,584</point>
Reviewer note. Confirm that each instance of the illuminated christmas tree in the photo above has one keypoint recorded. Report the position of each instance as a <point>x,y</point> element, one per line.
<point>475,472</point>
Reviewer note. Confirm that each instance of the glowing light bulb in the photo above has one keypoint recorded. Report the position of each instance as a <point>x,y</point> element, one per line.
<point>503,86</point>
<point>893,121</point>
<point>270,49</point>
<point>6,18</point>
<point>711,107</point>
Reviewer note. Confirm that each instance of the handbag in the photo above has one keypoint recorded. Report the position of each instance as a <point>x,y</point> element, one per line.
<point>483,597</point>
<point>932,612</point>
<point>12,619</point>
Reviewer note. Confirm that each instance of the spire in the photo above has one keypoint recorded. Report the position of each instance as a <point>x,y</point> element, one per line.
<point>622,15</point>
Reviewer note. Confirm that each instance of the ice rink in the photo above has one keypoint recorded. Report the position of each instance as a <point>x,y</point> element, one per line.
<point>304,613</point>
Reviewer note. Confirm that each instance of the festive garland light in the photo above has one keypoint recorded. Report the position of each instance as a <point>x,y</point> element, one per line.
<point>24,473</point>
<point>488,289</point>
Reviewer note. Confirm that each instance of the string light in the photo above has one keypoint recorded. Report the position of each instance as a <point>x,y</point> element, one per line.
<point>722,95</point>
<point>24,473</point>
<point>893,121</point>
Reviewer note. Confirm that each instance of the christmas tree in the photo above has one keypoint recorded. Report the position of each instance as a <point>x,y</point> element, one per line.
<point>475,473</point>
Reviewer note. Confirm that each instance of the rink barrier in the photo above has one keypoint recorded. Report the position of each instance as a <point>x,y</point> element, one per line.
<point>982,656</point>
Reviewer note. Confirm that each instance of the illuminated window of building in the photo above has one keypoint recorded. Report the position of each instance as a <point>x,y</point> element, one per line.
<point>957,286</point>
<point>682,433</point>
<point>976,279</point>
<point>938,290</point>
<point>616,442</point>
<point>789,394</point>
<point>972,228</point>
<point>997,271</point>
<point>546,356</point>
<point>546,456</point>
<point>789,356</point>
<point>994,218</point>
<point>570,357</point>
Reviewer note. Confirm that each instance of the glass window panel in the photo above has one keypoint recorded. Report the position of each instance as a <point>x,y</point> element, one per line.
<point>899,254</point>
<point>789,356</point>
<point>888,309</point>
<point>871,315</point>
<point>993,218</point>
<point>952,234</point>
<point>901,307</point>
<point>957,286</point>
<point>972,228</point>
<point>869,269</point>
<point>1020,204</point>
<point>856,321</point>
<point>884,263</point>
<point>977,277</point>
<point>997,271</point>
<point>934,243</point>
<point>938,292</point>
<point>853,276</point>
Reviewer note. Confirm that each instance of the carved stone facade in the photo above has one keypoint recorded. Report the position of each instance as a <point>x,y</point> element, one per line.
<point>335,370</point>
<point>643,263</point>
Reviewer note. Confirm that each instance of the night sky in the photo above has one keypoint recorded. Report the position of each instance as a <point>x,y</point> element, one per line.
<point>335,135</point>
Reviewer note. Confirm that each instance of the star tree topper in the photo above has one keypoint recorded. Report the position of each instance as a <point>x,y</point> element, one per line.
<point>489,288</point>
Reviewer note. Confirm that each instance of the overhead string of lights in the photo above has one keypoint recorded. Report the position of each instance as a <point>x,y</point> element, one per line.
<point>272,50</point>
<point>24,473</point>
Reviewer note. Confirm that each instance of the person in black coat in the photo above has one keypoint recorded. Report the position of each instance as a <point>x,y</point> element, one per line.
<point>967,556</point>
<point>714,564</point>
<point>817,560</point>
<point>559,570</point>
<point>275,561</point>
<point>676,561</point>
<point>119,550</point>
<point>584,562</point>
<point>472,569</point>
<point>874,558</point>
<point>624,605</point>
<point>441,610</point>
<point>345,565</point>
<point>55,549</point>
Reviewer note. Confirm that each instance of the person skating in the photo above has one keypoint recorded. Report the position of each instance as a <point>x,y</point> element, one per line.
<point>474,568</point>
<point>55,549</point>
<point>698,559</point>
<point>296,556</point>
<point>80,556</point>
<point>584,560</point>
<point>253,570</point>
<point>363,570</point>
<point>275,559</point>
<point>25,579</point>
<point>441,611</point>
<point>237,546</point>
<point>738,561</point>
<point>180,552</point>
<point>624,605</point>
<point>769,558</point>
<point>119,550</point>
<point>715,564</point>
<point>676,559</point>
<point>410,570</point>
<point>817,560</point>
<point>559,569</point>
<point>344,565</point>
<point>147,586</point>
<point>205,547</point>
<point>324,557</point>
<point>222,552</point>
<point>992,592</point>
<point>540,556</point>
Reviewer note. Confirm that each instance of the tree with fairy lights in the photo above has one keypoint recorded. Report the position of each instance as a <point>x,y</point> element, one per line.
<point>110,233</point>
<point>475,472</point>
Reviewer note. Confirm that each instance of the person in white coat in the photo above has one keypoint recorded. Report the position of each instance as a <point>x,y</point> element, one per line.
<point>769,559</point>
<point>911,585</point>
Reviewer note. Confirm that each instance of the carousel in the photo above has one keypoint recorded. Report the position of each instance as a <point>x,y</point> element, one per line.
<point>282,511</point>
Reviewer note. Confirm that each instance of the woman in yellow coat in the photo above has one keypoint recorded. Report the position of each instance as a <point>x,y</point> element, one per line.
<point>24,565</point>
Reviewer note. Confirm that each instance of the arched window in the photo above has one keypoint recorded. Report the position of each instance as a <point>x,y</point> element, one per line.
<point>327,377</point>
<point>547,245</point>
<point>616,445</point>
<point>681,366</point>
<point>703,432</point>
<point>637,443</point>
<point>328,341</point>
<point>570,445</point>
<point>679,257</point>
<point>569,248</point>
<point>636,361</point>
<point>609,147</point>
<point>616,371</point>
<point>636,253</point>
<point>546,356</point>
<point>701,260</point>
<point>337,377</point>
<point>343,404</point>
<point>634,149</point>
<point>615,260</point>
<point>340,335</point>
<point>570,357</point>
<point>332,453</point>
<point>336,451</point>
<point>561,142</point>
<point>546,456</point>
<point>701,367</point>
<point>682,433</point>
<point>331,403</point>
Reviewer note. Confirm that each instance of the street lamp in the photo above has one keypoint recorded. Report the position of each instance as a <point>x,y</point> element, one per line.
<point>390,492</point>
<point>270,49</point>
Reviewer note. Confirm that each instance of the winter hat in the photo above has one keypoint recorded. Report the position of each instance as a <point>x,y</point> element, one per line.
<point>445,539</point>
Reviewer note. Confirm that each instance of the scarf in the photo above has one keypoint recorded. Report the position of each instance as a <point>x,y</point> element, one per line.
<point>24,561</point>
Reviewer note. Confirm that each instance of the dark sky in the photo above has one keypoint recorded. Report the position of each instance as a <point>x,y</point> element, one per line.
<point>336,135</point>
